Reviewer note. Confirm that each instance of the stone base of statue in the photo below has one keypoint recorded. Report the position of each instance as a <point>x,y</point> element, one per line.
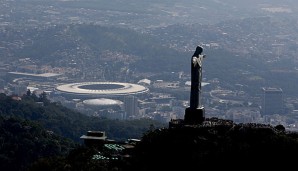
<point>194,115</point>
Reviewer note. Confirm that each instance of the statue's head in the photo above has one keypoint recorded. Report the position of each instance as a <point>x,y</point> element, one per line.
<point>198,51</point>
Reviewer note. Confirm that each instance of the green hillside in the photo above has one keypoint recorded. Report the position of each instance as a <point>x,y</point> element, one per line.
<point>68,123</point>
<point>41,135</point>
<point>23,142</point>
<point>214,144</point>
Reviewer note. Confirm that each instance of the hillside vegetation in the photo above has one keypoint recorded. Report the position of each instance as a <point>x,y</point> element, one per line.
<point>68,123</point>
<point>214,144</point>
<point>23,142</point>
<point>39,138</point>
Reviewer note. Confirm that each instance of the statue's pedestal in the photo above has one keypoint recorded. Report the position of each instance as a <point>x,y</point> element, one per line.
<point>194,116</point>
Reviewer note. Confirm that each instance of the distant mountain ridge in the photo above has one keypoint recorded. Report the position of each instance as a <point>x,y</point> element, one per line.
<point>163,12</point>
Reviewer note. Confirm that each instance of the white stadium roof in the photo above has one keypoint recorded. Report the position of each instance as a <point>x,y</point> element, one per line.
<point>102,102</point>
<point>45,75</point>
<point>102,89</point>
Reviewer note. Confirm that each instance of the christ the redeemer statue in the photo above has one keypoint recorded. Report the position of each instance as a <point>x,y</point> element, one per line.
<point>195,112</point>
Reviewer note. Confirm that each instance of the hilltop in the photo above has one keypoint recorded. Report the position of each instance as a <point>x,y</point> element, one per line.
<point>216,144</point>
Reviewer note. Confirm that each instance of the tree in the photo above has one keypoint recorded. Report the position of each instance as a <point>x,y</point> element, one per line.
<point>28,92</point>
<point>43,98</point>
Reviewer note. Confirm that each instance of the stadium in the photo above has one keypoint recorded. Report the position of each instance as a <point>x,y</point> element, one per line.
<point>88,90</point>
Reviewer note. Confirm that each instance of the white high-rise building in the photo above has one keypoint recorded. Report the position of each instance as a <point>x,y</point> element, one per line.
<point>272,102</point>
<point>131,106</point>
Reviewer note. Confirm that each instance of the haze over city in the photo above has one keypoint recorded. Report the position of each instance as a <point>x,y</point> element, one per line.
<point>131,59</point>
<point>250,46</point>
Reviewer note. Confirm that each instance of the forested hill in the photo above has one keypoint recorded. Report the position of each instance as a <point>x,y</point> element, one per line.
<point>217,144</point>
<point>214,144</point>
<point>92,45</point>
<point>33,128</point>
<point>23,142</point>
<point>68,123</point>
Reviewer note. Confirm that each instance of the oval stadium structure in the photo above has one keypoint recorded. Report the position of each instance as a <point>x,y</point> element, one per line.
<point>101,89</point>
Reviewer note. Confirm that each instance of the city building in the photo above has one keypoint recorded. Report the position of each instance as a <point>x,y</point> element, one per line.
<point>94,138</point>
<point>35,77</point>
<point>131,106</point>
<point>272,101</point>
